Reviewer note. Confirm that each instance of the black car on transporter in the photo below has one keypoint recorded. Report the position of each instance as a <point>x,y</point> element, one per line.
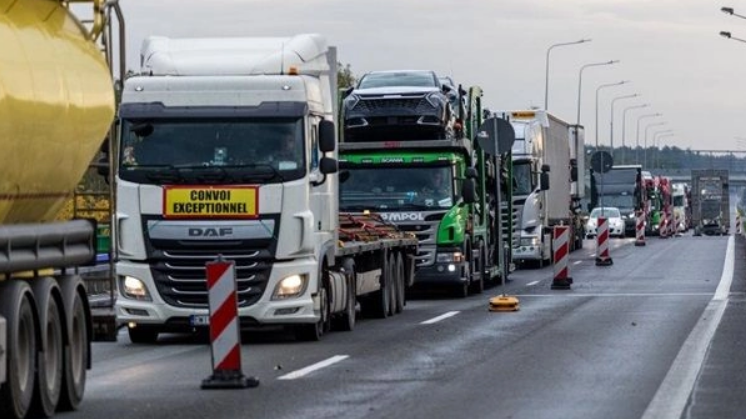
<point>398,105</point>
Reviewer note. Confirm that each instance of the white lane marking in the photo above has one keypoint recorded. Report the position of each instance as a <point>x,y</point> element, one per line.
<point>577,262</point>
<point>441,317</point>
<point>532,283</point>
<point>311,368</point>
<point>671,398</point>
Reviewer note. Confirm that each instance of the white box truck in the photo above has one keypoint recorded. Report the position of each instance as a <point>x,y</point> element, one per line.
<point>547,163</point>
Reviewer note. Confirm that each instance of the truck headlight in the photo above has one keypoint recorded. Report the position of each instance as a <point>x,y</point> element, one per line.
<point>133,288</point>
<point>290,287</point>
<point>451,257</point>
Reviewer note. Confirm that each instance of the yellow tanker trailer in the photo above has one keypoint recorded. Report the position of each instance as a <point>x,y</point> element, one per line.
<point>56,106</point>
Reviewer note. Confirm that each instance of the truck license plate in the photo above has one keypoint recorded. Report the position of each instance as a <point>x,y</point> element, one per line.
<point>199,320</point>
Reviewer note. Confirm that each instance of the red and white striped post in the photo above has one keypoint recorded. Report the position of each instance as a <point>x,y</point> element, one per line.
<point>561,245</point>
<point>225,333</point>
<point>639,229</point>
<point>602,243</point>
<point>671,225</point>
<point>738,223</point>
<point>663,227</point>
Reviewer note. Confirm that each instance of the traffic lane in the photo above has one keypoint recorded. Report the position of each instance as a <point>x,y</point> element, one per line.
<point>173,372</point>
<point>675,265</point>
<point>718,392</point>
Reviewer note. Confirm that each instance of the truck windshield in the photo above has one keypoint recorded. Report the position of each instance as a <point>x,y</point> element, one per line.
<point>212,150</point>
<point>619,201</point>
<point>388,188</point>
<point>522,179</point>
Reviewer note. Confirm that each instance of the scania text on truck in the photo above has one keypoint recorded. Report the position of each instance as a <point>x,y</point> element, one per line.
<point>228,147</point>
<point>547,160</point>
<point>56,107</point>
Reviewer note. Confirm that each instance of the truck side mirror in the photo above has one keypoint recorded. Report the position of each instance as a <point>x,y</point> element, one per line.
<point>469,191</point>
<point>544,181</point>
<point>327,141</point>
<point>471,173</point>
<point>544,168</point>
<point>328,165</point>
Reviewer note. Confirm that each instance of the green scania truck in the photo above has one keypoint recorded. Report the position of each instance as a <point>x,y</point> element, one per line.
<point>442,190</point>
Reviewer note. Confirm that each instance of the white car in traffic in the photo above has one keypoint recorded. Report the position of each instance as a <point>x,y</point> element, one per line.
<point>615,221</point>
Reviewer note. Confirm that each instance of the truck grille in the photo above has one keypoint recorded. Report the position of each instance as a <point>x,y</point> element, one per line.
<point>426,235</point>
<point>180,274</point>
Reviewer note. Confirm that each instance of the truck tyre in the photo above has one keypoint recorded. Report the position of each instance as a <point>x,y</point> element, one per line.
<point>50,361</point>
<point>477,274</point>
<point>76,353</point>
<point>16,305</point>
<point>346,320</point>
<point>400,284</point>
<point>313,332</point>
<point>142,334</point>
<point>391,283</point>
<point>377,304</point>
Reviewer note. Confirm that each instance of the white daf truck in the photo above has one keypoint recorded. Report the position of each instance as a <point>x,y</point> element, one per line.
<point>228,148</point>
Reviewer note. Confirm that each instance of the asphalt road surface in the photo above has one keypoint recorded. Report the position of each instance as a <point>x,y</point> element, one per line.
<point>651,336</point>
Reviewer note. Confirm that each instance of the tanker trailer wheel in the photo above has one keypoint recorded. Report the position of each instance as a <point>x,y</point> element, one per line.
<point>50,356</point>
<point>16,305</point>
<point>77,343</point>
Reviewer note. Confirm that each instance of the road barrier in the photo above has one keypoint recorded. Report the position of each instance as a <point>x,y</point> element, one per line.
<point>738,223</point>
<point>561,246</point>
<point>602,243</point>
<point>225,333</point>
<point>639,229</point>
<point>663,228</point>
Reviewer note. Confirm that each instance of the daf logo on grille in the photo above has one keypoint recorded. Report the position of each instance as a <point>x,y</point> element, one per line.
<point>403,216</point>
<point>210,232</point>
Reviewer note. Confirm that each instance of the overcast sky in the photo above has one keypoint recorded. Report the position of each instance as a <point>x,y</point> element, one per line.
<point>669,50</point>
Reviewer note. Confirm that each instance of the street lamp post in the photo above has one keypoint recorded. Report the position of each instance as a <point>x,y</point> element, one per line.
<point>580,80</point>
<point>645,150</point>
<point>728,35</point>
<point>637,136</point>
<point>611,123</point>
<point>730,11</point>
<point>598,89</point>
<point>624,126</point>
<point>546,78</point>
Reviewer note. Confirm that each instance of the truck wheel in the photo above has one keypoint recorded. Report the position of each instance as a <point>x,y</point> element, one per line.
<point>346,320</point>
<point>313,332</point>
<point>17,307</point>
<point>77,349</point>
<point>391,284</point>
<point>401,297</point>
<point>377,304</point>
<point>477,273</point>
<point>142,334</point>
<point>50,356</point>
